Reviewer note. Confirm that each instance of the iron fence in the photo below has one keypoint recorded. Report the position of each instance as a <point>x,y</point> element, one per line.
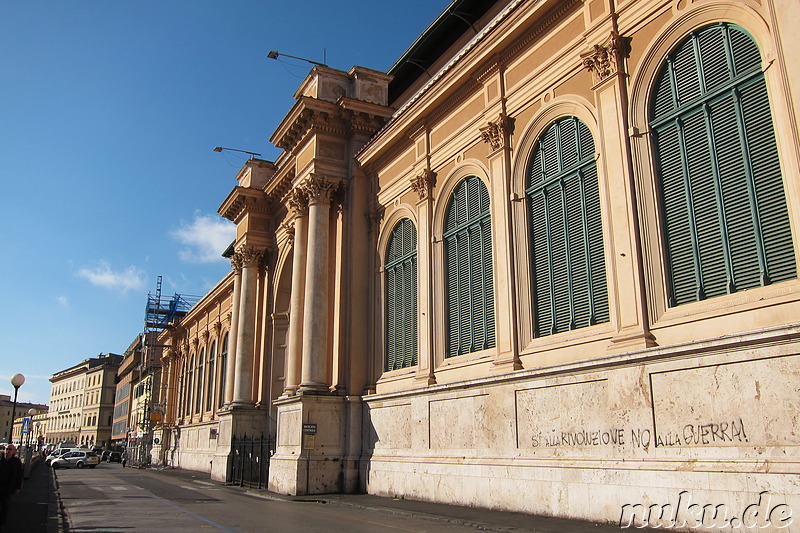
<point>248,461</point>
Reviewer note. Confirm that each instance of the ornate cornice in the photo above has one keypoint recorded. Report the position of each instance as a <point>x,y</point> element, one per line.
<point>497,132</point>
<point>423,183</point>
<point>489,73</point>
<point>245,199</point>
<point>605,60</point>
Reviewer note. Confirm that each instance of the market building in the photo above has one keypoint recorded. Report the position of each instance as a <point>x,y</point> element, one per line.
<point>547,263</point>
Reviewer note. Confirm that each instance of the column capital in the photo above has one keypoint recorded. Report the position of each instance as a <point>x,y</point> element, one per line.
<point>423,183</point>
<point>298,202</point>
<point>606,59</point>
<point>318,190</point>
<point>288,228</point>
<point>216,327</point>
<point>248,256</point>
<point>374,217</point>
<point>497,132</point>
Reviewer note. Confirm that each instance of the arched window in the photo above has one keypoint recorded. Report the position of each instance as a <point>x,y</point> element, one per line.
<point>725,220</point>
<point>198,390</point>
<point>190,387</point>
<point>469,288</point>
<point>568,275</point>
<point>401,296</point>
<point>212,363</point>
<point>223,369</point>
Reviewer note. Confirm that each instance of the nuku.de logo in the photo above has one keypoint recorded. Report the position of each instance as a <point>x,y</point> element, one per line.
<point>686,514</point>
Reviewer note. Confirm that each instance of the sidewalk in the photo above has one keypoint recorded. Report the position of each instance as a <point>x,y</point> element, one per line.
<point>34,509</point>
<point>479,518</point>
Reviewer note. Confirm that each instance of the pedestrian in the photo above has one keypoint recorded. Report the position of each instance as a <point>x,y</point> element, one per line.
<point>124,458</point>
<point>10,480</point>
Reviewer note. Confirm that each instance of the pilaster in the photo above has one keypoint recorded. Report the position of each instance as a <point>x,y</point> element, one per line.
<point>606,61</point>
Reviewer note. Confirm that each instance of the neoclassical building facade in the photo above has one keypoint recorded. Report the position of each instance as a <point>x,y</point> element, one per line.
<point>547,263</point>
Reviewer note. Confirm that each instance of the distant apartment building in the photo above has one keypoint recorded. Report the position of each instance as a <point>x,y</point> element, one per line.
<point>6,408</point>
<point>136,400</point>
<point>82,402</point>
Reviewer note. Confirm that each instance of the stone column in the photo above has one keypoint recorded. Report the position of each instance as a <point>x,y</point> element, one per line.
<point>298,202</point>
<point>315,317</point>
<point>245,336</point>
<point>230,370</point>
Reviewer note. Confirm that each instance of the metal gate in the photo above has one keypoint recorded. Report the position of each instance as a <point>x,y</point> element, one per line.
<point>248,461</point>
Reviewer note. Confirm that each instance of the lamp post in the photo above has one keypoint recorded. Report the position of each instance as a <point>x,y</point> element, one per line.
<point>16,380</point>
<point>31,413</point>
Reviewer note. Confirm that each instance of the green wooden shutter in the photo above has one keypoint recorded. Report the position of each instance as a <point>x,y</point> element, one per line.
<point>401,296</point>
<point>726,224</point>
<point>567,258</point>
<point>469,290</point>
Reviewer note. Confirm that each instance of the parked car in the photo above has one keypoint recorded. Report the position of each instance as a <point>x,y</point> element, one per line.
<point>78,459</point>
<point>112,457</point>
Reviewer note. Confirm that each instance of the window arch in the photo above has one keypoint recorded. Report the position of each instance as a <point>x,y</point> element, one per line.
<point>401,296</point>
<point>212,363</point>
<point>469,287</point>
<point>725,220</point>
<point>190,388</point>
<point>569,289</point>
<point>198,390</point>
<point>223,369</point>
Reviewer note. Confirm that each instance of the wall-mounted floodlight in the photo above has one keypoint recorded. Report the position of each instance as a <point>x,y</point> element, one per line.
<point>274,55</point>
<point>221,148</point>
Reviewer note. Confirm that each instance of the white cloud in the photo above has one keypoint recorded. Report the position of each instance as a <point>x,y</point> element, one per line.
<point>62,301</point>
<point>103,276</point>
<point>205,238</point>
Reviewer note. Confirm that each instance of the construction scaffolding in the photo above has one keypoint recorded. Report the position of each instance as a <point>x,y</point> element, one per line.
<point>147,407</point>
<point>163,310</point>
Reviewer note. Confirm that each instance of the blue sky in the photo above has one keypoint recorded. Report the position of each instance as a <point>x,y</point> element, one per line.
<point>109,112</point>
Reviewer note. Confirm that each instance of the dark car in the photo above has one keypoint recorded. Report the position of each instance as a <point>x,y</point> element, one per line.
<point>112,457</point>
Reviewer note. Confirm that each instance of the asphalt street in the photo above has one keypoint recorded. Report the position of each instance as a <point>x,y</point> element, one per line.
<point>110,498</point>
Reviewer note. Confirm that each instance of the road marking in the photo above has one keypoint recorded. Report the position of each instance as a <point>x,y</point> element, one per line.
<point>198,517</point>
<point>119,487</point>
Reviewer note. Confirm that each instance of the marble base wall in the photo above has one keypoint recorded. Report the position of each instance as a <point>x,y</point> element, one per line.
<point>712,424</point>
<point>205,446</point>
<point>304,463</point>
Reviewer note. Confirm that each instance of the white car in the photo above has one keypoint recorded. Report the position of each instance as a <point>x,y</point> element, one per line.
<point>78,459</point>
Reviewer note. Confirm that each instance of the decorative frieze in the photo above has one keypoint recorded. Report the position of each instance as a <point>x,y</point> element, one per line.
<point>497,132</point>
<point>606,59</point>
<point>423,183</point>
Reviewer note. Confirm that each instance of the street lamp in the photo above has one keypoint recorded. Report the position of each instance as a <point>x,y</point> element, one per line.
<point>16,380</point>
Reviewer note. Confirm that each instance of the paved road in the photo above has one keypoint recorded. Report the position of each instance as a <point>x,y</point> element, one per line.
<point>110,498</point>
